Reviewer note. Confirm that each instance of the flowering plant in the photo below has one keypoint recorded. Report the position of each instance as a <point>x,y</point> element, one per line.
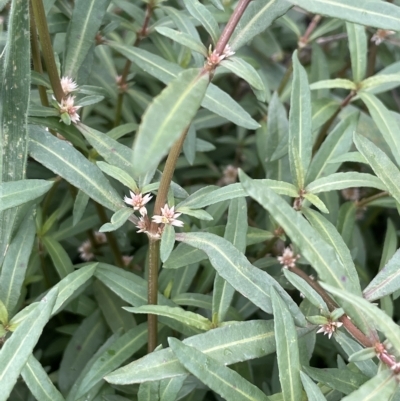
<point>199,200</point>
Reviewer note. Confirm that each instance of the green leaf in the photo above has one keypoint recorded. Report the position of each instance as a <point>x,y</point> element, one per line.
<point>380,319</point>
<point>84,343</point>
<point>184,39</point>
<point>256,19</point>
<point>381,387</point>
<point>113,152</point>
<point>68,285</point>
<point>306,290</point>
<point>386,282</point>
<point>351,346</point>
<point>313,391</point>
<point>381,164</point>
<point>363,354</point>
<point>317,202</point>
<point>111,307</point>
<point>167,242</point>
<point>80,204</point>
<point>163,122</point>
<point>379,83</point>
<point>133,289</point>
<point>170,388</point>
<point>39,382</point>
<point>339,181</point>
<point>334,83</point>
<point>330,234</point>
<point>198,213</point>
<point>12,273</point>
<point>366,12</point>
<point>287,349</point>
<point>186,317</point>
<point>234,267</point>
<point>119,175</point>
<point>215,99</point>
<point>201,13</point>
<point>109,359</point>
<point>318,253</point>
<point>338,142</point>
<point>3,315</point>
<point>358,50</point>
<point>15,193</point>
<point>247,72</point>
<point>224,381</point>
<point>15,86</point>
<point>122,130</point>
<point>343,380</point>
<point>59,256</point>
<point>117,220</point>
<point>67,162</point>
<point>225,344</point>
<point>18,348</point>
<point>148,391</point>
<point>385,122</point>
<point>235,232</point>
<point>299,124</point>
<point>85,23</point>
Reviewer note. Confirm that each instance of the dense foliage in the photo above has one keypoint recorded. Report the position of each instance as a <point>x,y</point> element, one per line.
<point>199,200</point>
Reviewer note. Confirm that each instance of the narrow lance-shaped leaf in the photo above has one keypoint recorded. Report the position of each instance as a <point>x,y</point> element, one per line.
<point>380,319</point>
<point>14,99</point>
<point>385,122</point>
<point>15,193</point>
<point>368,12</point>
<point>287,349</point>
<point>224,381</point>
<point>215,99</point>
<point>67,162</point>
<point>184,39</point>
<point>39,382</point>
<point>258,16</point>
<point>330,234</point>
<point>357,38</point>
<point>234,267</point>
<point>12,273</point>
<point>167,242</point>
<point>259,341</point>
<point>386,281</point>
<point>189,318</point>
<point>338,142</point>
<point>17,349</point>
<point>334,83</point>
<point>339,181</point>
<point>235,232</point>
<point>85,23</point>
<point>299,124</point>
<point>201,13</point>
<point>383,167</point>
<point>313,391</point>
<point>317,252</point>
<point>166,119</point>
<point>381,387</point>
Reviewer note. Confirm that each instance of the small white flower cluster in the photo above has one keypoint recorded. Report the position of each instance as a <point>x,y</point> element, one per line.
<point>67,105</point>
<point>86,251</point>
<point>214,58</point>
<point>329,328</point>
<point>288,258</point>
<point>380,35</point>
<point>167,216</point>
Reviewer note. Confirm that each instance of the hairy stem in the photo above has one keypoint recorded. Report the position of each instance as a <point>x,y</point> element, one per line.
<point>154,251</point>
<point>332,305</point>
<point>154,248</point>
<point>231,25</point>
<point>47,48</point>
